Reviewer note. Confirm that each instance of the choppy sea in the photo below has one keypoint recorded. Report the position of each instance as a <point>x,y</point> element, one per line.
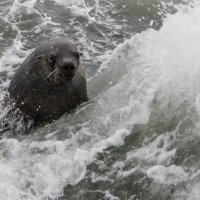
<point>138,137</point>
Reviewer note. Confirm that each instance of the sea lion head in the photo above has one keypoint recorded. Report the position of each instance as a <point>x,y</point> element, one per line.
<point>63,60</point>
<point>49,83</point>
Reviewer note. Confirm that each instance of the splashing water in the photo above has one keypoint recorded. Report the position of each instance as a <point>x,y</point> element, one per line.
<point>137,137</point>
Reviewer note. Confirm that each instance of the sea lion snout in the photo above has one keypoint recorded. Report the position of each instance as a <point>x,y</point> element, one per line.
<point>67,64</point>
<point>67,69</point>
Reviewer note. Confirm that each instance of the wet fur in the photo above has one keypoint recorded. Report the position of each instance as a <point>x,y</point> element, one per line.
<point>38,93</point>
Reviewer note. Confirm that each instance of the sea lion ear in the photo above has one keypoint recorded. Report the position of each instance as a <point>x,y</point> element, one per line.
<point>77,54</point>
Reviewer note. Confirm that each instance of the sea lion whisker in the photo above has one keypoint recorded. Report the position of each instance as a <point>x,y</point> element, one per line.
<point>79,78</point>
<point>56,75</point>
<point>77,70</point>
<point>51,73</point>
<point>79,73</point>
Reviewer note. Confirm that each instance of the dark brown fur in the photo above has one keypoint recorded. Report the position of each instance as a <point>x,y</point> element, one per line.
<point>49,83</point>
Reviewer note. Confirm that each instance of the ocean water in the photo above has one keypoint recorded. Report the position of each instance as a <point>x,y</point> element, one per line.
<point>137,138</point>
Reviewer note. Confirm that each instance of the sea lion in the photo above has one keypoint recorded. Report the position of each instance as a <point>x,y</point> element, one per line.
<point>48,84</point>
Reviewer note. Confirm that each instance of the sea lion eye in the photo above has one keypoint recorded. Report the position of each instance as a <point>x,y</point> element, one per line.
<point>52,57</point>
<point>39,57</point>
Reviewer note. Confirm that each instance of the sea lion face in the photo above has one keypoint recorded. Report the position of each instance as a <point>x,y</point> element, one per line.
<point>49,83</point>
<point>64,62</point>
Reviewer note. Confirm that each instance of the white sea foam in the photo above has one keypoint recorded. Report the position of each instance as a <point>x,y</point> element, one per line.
<point>15,54</point>
<point>166,175</point>
<point>110,196</point>
<point>160,66</point>
<point>12,56</point>
<point>19,7</point>
<point>78,7</point>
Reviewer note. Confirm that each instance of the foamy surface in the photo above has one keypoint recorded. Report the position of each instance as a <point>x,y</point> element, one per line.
<point>137,137</point>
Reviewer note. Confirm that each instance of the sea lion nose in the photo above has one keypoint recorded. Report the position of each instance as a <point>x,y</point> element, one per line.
<point>67,64</point>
